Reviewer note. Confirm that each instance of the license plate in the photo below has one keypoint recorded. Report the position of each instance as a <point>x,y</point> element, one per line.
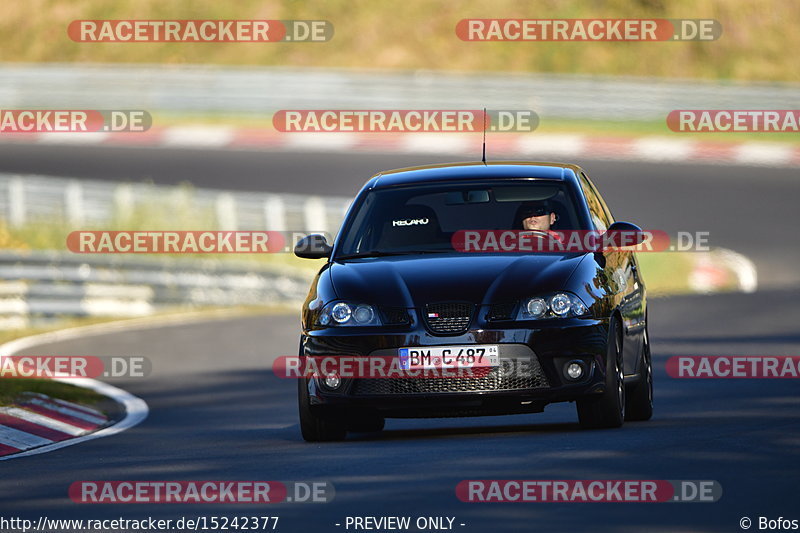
<point>429,357</point>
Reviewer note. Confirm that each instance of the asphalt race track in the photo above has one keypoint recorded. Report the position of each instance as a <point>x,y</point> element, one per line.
<point>217,412</point>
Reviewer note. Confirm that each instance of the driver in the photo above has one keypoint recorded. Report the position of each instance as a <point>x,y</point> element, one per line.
<point>538,216</point>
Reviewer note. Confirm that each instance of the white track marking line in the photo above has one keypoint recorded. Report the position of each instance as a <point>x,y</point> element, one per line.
<point>322,141</point>
<point>556,144</point>
<point>663,149</point>
<point>764,153</point>
<point>197,136</point>
<point>42,420</point>
<point>438,143</point>
<point>72,137</point>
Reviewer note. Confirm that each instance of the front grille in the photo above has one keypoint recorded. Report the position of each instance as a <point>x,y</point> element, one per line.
<point>506,377</point>
<point>448,318</point>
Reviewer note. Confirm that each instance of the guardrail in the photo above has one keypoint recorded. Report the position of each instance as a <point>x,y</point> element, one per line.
<point>85,203</point>
<point>263,90</point>
<point>40,287</point>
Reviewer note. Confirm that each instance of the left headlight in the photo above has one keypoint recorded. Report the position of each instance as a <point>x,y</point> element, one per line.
<point>558,305</point>
<point>348,314</point>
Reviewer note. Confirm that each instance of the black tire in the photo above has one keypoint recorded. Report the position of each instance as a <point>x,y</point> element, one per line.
<point>315,424</point>
<point>639,404</point>
<point>366,424</point>
<point>608,409</point>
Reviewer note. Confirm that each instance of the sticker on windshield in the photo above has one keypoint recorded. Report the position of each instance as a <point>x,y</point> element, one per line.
<point>410,222</point>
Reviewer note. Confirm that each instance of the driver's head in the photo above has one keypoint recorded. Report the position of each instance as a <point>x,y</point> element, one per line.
<point>537,216</point>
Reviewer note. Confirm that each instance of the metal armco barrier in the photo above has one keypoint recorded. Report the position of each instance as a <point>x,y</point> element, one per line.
<point>40,286</point>
<point>87,203</point>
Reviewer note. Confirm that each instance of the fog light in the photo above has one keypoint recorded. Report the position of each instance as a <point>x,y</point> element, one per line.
<point>574,369</point>
<point>332,381</point>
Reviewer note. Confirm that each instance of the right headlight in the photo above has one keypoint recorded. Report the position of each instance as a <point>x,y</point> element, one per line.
<point>558,305</point>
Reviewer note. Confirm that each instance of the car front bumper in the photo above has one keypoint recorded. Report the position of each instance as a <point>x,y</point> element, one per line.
<point>530,375</point>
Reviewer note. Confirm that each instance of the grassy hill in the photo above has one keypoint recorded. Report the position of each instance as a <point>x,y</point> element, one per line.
<point>756,42</point>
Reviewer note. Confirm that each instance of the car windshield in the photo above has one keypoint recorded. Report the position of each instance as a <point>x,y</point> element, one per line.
<point>423,218</point>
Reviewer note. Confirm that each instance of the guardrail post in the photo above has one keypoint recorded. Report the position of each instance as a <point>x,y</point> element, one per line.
<point>73,202</point>
<point>275,213</point>
<point>226,212</point>
<point>314,215</point>
<point>16,201</point>
<point>123,203</point>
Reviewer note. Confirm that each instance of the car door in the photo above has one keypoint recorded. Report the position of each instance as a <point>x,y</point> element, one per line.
<point>621,269</point>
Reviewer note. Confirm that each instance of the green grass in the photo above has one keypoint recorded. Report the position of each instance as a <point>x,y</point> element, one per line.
<point>756,41</point>
<point>666,273</point>
<point>171,211</point>
<point>10,390</point>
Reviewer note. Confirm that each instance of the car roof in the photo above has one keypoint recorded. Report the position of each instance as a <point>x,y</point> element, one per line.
<point>474,171</point>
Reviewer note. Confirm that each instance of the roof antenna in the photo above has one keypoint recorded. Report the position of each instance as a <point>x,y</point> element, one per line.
<point>484,136</point>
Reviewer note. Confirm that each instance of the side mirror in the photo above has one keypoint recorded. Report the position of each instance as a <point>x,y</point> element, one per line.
<point>314,246</point>
<point>622,234</point>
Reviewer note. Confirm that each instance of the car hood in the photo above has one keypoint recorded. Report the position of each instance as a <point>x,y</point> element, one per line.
<point>412,281</point>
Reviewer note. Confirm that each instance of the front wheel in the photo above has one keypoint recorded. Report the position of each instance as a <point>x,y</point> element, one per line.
<point>640,397</point>
<point>608,409</point>
<point>317,425</point>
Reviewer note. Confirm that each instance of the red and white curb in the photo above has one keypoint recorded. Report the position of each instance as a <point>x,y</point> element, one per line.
<point>721,270</point>
<point>36,442</point>
<point>39,420</point>
<point>499,145</point>
<point>39,424</point>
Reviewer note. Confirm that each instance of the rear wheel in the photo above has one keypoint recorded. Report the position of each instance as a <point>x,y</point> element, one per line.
<point>317,425</point>
<point>639,404</point>
<point>608,409</point>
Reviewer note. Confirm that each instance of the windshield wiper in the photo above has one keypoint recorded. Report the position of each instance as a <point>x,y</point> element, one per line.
<point>382,253</point>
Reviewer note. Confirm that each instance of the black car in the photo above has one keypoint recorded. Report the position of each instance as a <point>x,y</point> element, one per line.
<point>550,326</point>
